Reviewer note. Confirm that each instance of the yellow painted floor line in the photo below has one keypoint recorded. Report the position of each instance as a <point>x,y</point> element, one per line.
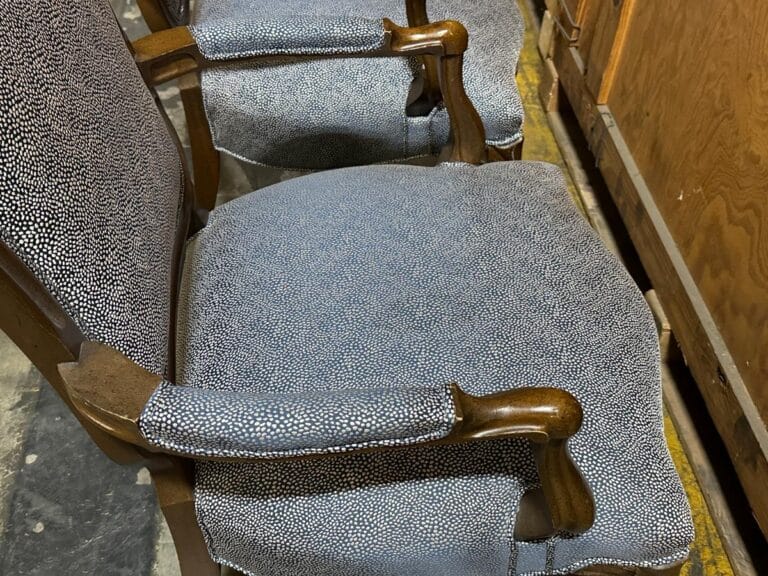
<point>708,557</point>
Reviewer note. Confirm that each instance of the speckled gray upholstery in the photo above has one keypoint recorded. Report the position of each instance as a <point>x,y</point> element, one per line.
<point>206,422</point>
<point>328,112</point>
<point>382,278</point>
<point>90,179</point>
<point>240,37</point>
<point>375,285</point>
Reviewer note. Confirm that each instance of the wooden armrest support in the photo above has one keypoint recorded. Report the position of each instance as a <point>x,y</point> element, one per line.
<point>446,38</point>
<point>171,53</point>
<point>429,95</point>
<point>110,391</point>
<point>547,417</point>
<point>167,54</point>
<point>416,10</point>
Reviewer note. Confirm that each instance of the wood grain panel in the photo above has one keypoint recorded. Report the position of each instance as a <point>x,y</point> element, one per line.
<point>610,31</point>
<point>603,23</point>
<point>573,6</point>
<point>722,387</point>
<point>587,18</point>
<point>690,98</point>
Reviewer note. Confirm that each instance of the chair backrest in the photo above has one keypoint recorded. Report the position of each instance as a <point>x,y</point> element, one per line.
<point>91,181</point>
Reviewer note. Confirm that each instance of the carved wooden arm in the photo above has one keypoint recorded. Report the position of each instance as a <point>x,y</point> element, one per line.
<point>547,417</point>
<point>171,53</point>
<point>110,391</point>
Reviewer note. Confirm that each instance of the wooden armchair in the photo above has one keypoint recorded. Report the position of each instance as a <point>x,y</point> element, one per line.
<point>286,370</point>
<point>324,112</point>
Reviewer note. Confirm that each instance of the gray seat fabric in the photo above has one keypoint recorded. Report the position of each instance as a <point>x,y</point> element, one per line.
<point>328,112</point>
<point>399,276</point>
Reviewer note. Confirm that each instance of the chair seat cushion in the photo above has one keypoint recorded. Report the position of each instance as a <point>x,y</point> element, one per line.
<point>317,113</point>
<point>391,276</point>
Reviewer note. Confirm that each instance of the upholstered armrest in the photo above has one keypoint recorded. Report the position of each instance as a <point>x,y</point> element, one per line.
<point>222,424</point>
<point>171,53</point>
<point>231,38</point>
<point>121,398</point>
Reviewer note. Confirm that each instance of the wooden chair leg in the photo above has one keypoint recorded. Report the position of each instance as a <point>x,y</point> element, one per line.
<point>173,480</point>
<point>205,157</point>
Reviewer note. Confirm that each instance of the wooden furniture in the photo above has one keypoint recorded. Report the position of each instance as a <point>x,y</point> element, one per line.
<point>107,391</point>
<point>99,276</point>
<point>423,98</point>
<point>672,101</point>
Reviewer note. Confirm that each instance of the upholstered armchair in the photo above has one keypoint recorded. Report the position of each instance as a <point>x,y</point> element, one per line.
<point>379,370</point>
<point>340,108</point>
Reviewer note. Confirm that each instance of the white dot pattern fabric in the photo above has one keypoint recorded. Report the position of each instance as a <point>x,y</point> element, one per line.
<point>318,113</point>
<point>382,277</point>
<point>205,422</point>
<point>90,179</point>
<point>404,512</point>
<point>238,37</point>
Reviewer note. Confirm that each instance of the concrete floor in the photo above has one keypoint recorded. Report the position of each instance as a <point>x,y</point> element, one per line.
<point>65,509</point>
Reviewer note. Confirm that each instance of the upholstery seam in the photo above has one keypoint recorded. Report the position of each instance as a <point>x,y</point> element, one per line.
<point>665,561</point>
<point>314,170</point>
<point>673,558</point>
<point>209,540</point>
<point>338,449</point>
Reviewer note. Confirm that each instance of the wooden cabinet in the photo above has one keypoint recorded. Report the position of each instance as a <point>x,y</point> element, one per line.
<point>673,99</point>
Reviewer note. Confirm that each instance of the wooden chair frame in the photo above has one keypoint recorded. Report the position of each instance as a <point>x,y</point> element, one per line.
<point>425,94</point>
<point>107,392</point>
